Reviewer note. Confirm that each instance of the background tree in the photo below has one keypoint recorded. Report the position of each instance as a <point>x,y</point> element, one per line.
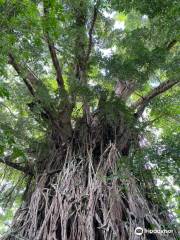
<point>89,118</point>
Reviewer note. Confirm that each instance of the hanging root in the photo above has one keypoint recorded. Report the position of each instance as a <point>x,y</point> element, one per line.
<point>82,203</point>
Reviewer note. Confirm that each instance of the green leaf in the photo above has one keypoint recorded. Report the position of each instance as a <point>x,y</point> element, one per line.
<point>4,93</point>
<point>17,153</point>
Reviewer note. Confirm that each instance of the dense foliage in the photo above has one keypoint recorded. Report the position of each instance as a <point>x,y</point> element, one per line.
<point>64,59</point>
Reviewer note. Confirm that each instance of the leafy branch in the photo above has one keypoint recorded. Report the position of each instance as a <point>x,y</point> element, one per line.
<point>7,161</point>
<point>53,53</point>
<point>144,101</point>
<point>28,77</point>
<point>30,80</point>
<point>94,18</point>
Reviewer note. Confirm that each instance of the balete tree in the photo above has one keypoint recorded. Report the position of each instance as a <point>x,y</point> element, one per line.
<point>89,119</point>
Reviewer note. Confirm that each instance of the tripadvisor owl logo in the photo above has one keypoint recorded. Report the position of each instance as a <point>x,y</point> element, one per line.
<point>139,231</point>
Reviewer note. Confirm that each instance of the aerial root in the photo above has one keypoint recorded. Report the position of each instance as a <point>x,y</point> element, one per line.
<point>82,203</point>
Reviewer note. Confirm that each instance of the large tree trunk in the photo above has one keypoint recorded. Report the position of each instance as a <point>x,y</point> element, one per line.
<point>80,193</point>
<point>84,189</point>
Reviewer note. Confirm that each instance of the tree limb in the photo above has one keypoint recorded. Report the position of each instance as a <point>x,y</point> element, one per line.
<point>9,163</point>
<point>95,13</point>
<point>168,46</point>
<point>53,54</point>
<point>28,77</point>
<point>30,80</point>
<point>56,63</point>
<point>143,102</point>
<point>171,44</point>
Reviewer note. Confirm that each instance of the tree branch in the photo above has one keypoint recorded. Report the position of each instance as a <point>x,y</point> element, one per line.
<point>28,77</point>
<point>80,41</point>
<point>30,80</point>
<point>9,163</point>
<point>171,44</point>
<point>95,13</point>
<point>168,46</point>
<point>56,63</point>
<point>52,51</point>
<point>143,102</point>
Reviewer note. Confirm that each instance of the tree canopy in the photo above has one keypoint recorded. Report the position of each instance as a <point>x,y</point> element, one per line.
<point>65,60</point>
